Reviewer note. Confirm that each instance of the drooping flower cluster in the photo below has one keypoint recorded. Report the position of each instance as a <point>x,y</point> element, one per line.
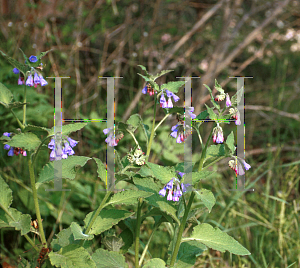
<point>168,103</point>
<point>237,166</point>
<point>218,134</point>
<point>235,114</point>
<point>61,150</point>
<point>112,140</point>
<point>34,78</point>
<point>173,186</point>
<point>181,131</point>
<point>137,157</point>
<point>13,150</point>
<point>148,89</point>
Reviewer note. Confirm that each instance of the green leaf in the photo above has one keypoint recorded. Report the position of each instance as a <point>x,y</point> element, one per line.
<point>64,238</point>
<point>113,243</point>
<point>36,129</point>
<point>78,233</point>
<point>69,167</point>
<point>72,256</point>
<point>156,200</point>
<point>163,72</point>
<point>22,67</point>
<point>207,197</point>
<point>5,95</point>
<point>128,197</point>
<point>106,219</point>
<point>101,170</point>
<point>104,259</point>
<point>164,174</point>
<point>215,150</point>
<point>212,99</point>
<point>143,68</point>
<point>25,57</point>
<point>236,98</point>
<point>218,87</point>
<point>27,141</point>
<point>10,217</point>
<point>67,129</point>
<point>230,142</point>
<point>155,263</point>
<point>199,175</point>
<point>203,115</point>
<point>187,254</point>
<point>216,239</point>
<point>5,194</point>
<point>212,114</point>
<point>146,132</point>
<point>43,54</point>
<point>14,218</point>
<point>134,121</point>
<point>173,86</point>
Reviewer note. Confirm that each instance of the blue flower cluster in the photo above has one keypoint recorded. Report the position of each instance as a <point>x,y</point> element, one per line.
<point>36,79</point>
<point>173,186</point>
<point>62,151</point>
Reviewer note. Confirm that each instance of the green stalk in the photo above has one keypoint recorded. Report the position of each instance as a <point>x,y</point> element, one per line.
<point>204,151</point>
<point>153,128</point>
<point>210,164</point>
<point>181,229</point>
<point>136,142</point>
<point>36,202</point>
<point>18,121</point>
<point>24,106</point>
<point>97,212</point>
<point>137,232</point>
<point>161,121</point>
<point>147,245</point>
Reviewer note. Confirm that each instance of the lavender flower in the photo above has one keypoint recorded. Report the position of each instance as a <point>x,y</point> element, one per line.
<point>59,151</point>
<point>173,186</point>
<point>228,102</point>
<point>29,81</point>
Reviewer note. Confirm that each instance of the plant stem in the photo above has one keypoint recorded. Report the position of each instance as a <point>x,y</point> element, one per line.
<point>136,142</point>
<point>153,128</point>
<point>166,116</point>
<point>137,232</point>
<point>18,121</point>
<point>147,245</point>
<point>204,151</point>
<point>210,164</point>
<point>97,212</point>
<point>181,229</point>
<point>36,202</point>
<point>24,106</point>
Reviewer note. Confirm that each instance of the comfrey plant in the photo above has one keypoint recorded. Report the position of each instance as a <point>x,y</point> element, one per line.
<point>156,191</point>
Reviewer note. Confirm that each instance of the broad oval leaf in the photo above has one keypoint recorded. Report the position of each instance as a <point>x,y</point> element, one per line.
<point>217,240</point>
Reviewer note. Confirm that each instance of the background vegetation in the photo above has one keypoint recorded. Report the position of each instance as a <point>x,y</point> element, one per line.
<point>207,39</point>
